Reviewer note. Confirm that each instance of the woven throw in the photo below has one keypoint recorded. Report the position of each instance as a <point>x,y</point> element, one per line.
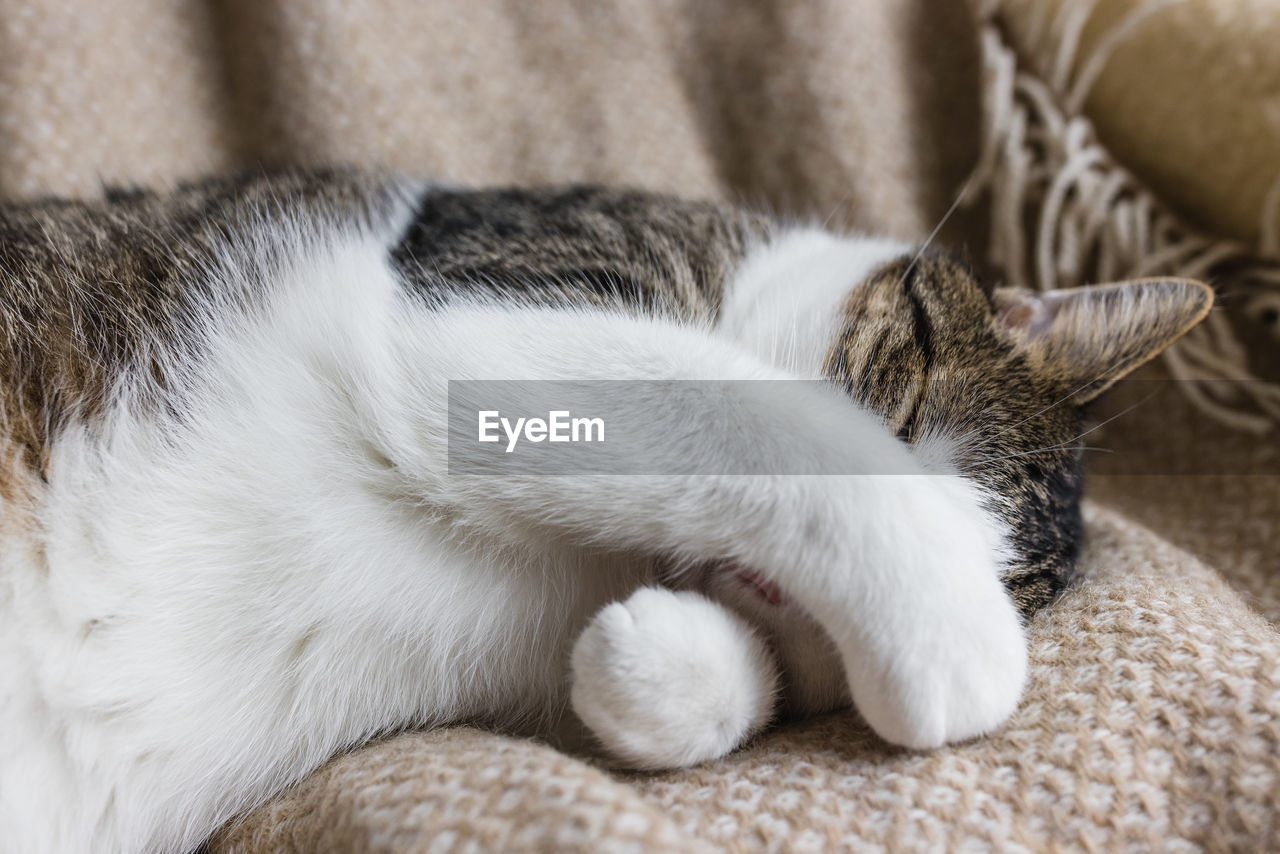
<point>1151,724</point>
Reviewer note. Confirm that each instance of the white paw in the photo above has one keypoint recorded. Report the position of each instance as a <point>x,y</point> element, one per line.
<point>935,693</point>
<point>946,659</point>
<point>668,679</point>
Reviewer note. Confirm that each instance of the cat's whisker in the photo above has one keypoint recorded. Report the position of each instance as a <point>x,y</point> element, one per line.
<point>1048,450</point>
<point>992,437</point>
<point>826,222</point>
<point>1068,443</point>
<point>955,205</point>
<point>1111,369</point>
<point>1107,421</point>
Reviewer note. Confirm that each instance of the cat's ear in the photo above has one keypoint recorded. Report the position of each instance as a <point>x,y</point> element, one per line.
<point>1093,336</point>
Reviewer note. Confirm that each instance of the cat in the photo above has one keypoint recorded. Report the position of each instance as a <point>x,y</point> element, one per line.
<point>231,544</point>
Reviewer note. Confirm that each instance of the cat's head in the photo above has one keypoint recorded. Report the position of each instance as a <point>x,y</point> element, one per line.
<point>992,382</point>
<point>984,381</point>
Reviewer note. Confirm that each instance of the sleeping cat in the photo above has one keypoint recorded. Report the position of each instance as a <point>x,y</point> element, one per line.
<point>231,543</point>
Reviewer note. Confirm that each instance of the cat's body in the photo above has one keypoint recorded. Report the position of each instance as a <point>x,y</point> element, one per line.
<point>230,544</point>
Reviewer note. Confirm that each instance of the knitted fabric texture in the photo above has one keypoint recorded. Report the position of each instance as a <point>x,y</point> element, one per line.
<point>1151,723</point>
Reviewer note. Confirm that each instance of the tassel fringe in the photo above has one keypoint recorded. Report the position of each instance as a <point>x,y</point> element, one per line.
<point>1065,213</point>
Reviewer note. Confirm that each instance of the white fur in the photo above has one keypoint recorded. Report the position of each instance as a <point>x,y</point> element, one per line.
<point>207,609</point>
<point>784,304</point>
<point>667,679</point>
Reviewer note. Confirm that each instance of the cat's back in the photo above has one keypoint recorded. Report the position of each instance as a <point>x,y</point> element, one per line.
<point>94,293</point>
<point>121,290</point>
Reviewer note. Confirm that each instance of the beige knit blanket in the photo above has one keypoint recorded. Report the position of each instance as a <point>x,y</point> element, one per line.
<point>1152,721</point>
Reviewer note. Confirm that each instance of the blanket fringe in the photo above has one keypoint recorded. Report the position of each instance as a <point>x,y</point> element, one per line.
<point>1065,213</point>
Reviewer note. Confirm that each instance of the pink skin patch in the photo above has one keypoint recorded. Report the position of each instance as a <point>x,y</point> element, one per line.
<point>766,589</point>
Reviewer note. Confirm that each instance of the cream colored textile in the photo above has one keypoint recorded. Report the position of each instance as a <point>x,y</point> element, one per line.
<point>1151,724</point>
<point>818,106</point>
<point>1152,719</point>
<point>1190,99</point>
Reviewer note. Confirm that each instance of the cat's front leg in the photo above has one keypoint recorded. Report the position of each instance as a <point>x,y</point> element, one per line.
<point>936,652</point>
<point>899,566</point>
<point>667,679</point>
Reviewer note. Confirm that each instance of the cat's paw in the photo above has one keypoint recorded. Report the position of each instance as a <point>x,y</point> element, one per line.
<point>949,658</point>
<point>669,679</point>
<point>955,691</point>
